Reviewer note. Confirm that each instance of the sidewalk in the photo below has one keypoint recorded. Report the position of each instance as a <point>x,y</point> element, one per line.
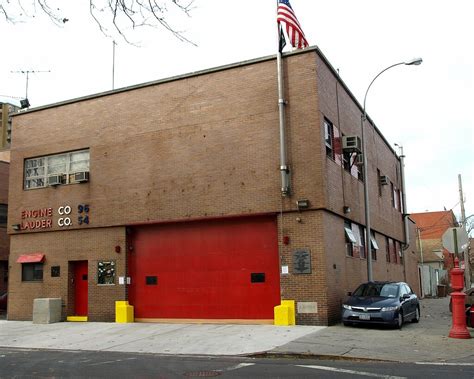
<point>427,341</point>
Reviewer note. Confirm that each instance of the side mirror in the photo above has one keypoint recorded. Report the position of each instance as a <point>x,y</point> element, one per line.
<point>405,296</point>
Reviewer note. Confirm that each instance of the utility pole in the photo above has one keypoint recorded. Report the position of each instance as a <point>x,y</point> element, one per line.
<point>467,262</point>
<point>420,245</point>
<point>113,65</point>
<point>27,73</point>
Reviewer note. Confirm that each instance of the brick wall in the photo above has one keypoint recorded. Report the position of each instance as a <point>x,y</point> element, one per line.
<point>61,248</point>
<point>4,239</point>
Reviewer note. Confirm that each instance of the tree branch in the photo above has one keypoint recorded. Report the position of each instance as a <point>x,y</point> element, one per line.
<point>111,16</point>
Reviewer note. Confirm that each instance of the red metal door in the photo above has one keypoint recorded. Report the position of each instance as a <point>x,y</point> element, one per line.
<point>80,288</point>
<point>222,269</point>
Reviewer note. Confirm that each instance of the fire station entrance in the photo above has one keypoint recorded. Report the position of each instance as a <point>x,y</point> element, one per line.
<point>219,269</point>
<point>79,271</point>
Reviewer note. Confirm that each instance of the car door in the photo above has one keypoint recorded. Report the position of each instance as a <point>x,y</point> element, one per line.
<point>411,302</point>
<point>404,302</point>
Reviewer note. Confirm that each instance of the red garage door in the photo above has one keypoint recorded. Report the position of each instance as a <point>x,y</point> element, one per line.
<point>223,269</point>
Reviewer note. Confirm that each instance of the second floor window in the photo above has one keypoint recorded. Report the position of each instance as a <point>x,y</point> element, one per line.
<point>3,214</point>
<point>38,170</point>
<point>329,138</point>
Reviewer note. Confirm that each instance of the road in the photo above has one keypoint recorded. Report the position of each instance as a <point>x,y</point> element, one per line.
<point>26,363</point>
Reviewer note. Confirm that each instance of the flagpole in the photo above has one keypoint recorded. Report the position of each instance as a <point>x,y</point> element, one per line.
<point>284,168</point>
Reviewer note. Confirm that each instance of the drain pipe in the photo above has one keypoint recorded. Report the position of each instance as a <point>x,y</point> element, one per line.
<point>404,198</point>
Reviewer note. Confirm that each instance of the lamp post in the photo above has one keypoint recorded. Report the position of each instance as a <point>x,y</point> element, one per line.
<point>416,62</point>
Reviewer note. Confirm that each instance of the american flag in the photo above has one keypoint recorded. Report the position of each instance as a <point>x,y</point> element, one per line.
<point>286,17</point>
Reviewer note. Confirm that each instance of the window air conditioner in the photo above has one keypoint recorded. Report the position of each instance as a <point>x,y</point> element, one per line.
<point>384,180</point>
<point>351,144</point>
<point>55,180</point>
<point>81,177</point>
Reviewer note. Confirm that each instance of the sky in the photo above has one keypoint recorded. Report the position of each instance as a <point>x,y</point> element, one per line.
<point>428,109</point>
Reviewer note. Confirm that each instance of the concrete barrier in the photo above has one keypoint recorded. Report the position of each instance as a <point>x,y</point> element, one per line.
<point>46,310</point>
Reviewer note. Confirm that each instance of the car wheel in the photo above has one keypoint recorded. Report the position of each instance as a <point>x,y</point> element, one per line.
<point>400,320</point>
<point>417,315</point>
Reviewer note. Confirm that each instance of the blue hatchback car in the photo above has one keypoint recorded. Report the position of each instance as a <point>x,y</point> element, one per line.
<point>386,303</point>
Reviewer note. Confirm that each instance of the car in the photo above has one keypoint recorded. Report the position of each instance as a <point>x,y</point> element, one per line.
<point>469,300</point>
<point>3,300</point>
<point>383,303</point>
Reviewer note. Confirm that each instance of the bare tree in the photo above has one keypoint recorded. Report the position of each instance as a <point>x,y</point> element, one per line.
<point>110,15</point>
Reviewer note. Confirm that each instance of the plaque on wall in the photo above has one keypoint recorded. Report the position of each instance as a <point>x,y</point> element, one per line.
<point>302,261</point>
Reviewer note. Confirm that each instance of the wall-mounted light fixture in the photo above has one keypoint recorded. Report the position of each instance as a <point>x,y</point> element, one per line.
<point>302,204</point>
<point>16,227</point>
<point>117,249</point>
<point>346,209</point>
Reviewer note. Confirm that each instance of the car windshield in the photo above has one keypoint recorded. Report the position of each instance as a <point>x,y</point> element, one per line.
<point>377,289</point>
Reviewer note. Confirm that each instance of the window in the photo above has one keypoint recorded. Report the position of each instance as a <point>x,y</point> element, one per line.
<point>360,173</point>
<point>3,214</point>
<point>329,138</point>
<point>379,182</point>
<point>350,239</point>
<point>32,272</point>
<point>373,246</point>
<point>393,251</point>
<point>38,170</point>
<point>399,253</point>
<point>399,201</point>
<point>106,272</point>
<point>395,196</point>
<point>388,242</point>
<point>362,243</point>
<point>355,239</point>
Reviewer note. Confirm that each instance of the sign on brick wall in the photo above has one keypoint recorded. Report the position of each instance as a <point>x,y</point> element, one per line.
<point>302,261</point>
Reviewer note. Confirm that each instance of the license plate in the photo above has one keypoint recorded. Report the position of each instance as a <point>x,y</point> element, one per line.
<point>364,317</point>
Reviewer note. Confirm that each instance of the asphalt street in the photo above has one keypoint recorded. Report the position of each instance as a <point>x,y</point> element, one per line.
<point>27,363</point>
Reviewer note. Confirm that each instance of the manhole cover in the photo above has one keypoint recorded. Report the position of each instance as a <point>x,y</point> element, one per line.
<point>202,374</point>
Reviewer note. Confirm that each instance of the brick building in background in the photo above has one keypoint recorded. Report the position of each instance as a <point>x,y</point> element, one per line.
<point>167,194</point>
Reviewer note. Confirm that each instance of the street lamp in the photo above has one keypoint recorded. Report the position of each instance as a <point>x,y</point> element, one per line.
<point>413,62</point>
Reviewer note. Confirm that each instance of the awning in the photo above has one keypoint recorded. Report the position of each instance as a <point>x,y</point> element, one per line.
<point>374,242</point>
<point>30,258</point>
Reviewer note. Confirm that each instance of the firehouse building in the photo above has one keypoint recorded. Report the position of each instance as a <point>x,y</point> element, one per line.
<point>167,194</point>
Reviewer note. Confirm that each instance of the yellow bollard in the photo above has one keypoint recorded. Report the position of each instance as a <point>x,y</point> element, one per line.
<point>292,316</point>
<point>284,314</point>
<point>123,312</point>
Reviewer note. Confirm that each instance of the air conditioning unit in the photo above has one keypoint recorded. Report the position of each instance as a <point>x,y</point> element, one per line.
<point>384,180</point>
<point>81,177</point>
<point>55,180</point>
<point>359,160</point>
<point>351,144</point>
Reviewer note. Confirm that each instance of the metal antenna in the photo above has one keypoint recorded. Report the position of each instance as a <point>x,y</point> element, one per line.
<point>27,73</point>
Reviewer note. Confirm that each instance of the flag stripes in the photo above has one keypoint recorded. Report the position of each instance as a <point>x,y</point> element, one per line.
<point>286,17</point>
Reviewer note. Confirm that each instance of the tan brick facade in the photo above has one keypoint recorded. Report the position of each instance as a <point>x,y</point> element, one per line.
<point>204,146</point>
